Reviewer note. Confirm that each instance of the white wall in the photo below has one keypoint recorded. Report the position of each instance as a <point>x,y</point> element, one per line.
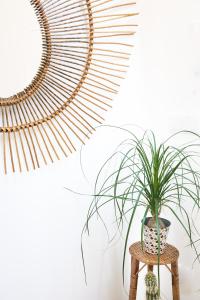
<point>41,222</point>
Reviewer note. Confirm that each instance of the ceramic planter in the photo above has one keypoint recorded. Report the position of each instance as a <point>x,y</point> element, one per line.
<point>151,237</point>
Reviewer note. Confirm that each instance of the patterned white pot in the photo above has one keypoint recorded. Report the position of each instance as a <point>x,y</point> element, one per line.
<point>151,237</point>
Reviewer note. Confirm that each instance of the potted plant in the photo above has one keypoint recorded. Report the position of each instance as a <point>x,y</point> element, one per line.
<point>153,177</point>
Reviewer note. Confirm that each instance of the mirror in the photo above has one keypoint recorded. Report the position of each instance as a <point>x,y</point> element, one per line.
<point>20,47</point>
<point>61,64</point>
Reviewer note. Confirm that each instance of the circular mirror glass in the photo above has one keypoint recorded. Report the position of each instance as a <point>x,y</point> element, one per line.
<point>20,46</point>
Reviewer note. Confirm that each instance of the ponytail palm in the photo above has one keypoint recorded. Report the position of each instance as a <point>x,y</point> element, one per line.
<point>151,176</point>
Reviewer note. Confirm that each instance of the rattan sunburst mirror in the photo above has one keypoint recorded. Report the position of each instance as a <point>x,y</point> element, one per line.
<point>85,48</point>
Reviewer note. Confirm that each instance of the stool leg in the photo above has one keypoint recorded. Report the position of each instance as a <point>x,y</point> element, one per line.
<point>175,281</point>
<point>134,278</point>
<point>150,268</point>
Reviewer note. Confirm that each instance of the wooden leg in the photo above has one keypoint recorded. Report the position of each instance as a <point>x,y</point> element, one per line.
<point>175,281</point>
<point>134,278</point>
<point>150,268</point>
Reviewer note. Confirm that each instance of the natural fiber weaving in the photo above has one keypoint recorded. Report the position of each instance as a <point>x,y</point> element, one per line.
<point>85,49</point>
<point>169,256</point>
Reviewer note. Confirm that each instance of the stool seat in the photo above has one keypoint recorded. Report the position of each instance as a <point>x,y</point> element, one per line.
<point>169,256</point>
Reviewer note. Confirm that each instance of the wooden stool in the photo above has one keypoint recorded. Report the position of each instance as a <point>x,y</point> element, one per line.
<point>170,256</point>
